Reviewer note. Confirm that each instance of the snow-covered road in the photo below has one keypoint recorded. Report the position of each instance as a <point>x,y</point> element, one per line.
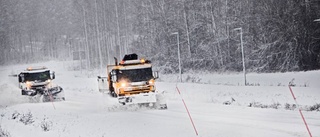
<point>86,112</point>
<point>75,119</point>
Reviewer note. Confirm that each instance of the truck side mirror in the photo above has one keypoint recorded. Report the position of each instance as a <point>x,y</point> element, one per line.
<point>52,75</point>
<point>155,74</point>
<point>113,76</point>
<point>20,78</point>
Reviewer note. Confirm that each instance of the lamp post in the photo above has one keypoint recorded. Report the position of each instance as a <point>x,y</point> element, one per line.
<point>242,53</point>
<point>180,76</point>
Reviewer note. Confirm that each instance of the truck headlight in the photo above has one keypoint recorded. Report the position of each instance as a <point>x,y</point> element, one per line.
<point>29,84</point>
<point>123,84</point>
<point>151,82</point>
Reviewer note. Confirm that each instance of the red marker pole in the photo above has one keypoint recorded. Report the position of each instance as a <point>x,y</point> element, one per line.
<point>51,99</point>
<point>305,123</point>
<point>194,127</point>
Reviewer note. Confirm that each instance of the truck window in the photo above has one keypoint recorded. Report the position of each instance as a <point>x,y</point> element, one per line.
<point>135,75</point>
<point>42,76</point>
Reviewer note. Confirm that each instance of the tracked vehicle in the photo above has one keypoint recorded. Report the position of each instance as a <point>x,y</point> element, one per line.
<point>132,81</point>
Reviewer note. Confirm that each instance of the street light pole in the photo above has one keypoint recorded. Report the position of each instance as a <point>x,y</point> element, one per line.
<point>242,53</point>
<point>178,43</point>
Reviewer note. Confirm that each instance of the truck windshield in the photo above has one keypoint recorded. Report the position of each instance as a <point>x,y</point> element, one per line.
<point>41,76</point>
<point>135,75</point>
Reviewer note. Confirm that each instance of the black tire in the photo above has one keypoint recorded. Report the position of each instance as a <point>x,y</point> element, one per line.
<point>113,94</point>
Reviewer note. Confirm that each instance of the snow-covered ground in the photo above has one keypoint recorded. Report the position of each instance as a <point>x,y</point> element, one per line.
<point>86,112</point>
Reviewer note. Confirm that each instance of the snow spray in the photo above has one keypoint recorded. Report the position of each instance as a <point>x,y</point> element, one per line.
<point>305,123</point>
<point>194,127</point>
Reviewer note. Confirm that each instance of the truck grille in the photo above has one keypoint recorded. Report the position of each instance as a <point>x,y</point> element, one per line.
<point>137,88</point>
<point>37,86</point>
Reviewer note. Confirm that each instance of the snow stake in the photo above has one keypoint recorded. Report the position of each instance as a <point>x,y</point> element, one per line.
<point>194,127</point>
<point>305,123</point>
<point>51,99</point>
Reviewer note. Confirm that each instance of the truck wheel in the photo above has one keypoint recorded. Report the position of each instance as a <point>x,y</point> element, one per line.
<point>113,94</point>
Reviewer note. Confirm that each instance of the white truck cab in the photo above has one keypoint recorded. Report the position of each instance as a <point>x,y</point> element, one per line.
<point>38,81</point>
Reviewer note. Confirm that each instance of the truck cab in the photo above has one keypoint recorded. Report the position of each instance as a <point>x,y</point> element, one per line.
<point>35,78</point>
<point>132,77</point>
<point>38,81</point>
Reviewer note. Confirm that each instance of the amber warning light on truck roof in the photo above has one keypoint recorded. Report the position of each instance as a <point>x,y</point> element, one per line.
<point>36,68</point>
<point>131,62</point>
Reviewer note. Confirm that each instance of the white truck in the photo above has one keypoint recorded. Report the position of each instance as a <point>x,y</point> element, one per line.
<point>37,81</point>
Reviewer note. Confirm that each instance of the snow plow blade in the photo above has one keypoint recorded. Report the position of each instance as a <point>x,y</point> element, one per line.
<point>138,98</point>
<point>52,94</point>
<point>28,92</point>
<point>156,100</point>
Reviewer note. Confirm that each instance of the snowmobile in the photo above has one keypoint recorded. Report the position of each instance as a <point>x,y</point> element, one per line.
<point>132,81</point>
<point>36,82</point>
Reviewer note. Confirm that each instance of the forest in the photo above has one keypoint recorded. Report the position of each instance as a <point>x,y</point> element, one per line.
<point>276,35</point>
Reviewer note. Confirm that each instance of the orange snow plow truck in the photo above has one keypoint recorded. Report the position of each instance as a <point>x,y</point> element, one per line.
<point>132,81</point>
